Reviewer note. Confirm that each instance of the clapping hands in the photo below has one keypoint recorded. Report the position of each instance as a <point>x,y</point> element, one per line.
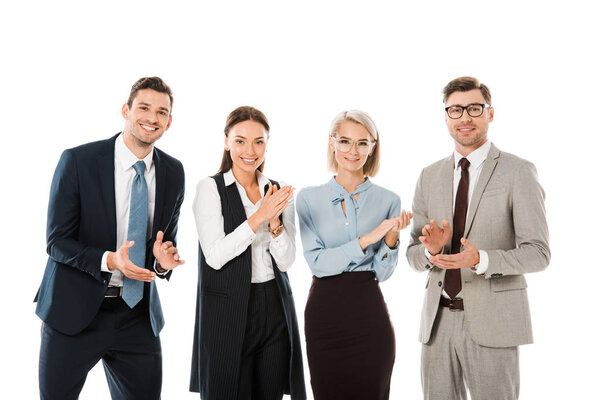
<point>389,228</point>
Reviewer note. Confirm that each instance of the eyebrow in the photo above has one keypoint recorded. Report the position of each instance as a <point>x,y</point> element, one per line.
<point>242,137</point>
<point>470,104</point>
<point>359,140</point>
<point>150,105</point>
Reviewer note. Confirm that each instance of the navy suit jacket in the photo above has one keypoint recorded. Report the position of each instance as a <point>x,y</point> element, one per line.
<point>82,225</point>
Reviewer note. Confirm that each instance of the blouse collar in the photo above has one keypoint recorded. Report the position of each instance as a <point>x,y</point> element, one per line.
<point>338,192</point>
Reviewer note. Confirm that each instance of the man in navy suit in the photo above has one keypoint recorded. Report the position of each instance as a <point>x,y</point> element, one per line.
<point>95,302</point>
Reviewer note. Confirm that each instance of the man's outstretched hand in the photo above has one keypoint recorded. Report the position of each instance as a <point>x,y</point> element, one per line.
<point>166,254</point>
<point>120,261</point>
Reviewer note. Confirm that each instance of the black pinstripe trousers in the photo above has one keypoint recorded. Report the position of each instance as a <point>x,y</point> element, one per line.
<point>264,368</point>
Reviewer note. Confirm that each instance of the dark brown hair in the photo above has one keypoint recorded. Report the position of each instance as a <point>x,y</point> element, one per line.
<point>154,83</point>
<point>241,114</point>
<point>465,84</point>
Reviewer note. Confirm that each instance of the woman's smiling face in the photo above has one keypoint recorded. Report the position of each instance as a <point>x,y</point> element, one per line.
<point>353,159</point>
<point>247,143</point>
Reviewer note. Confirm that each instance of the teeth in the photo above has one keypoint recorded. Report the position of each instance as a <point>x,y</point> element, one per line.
<point>248,159</point>
<point>148,128</point>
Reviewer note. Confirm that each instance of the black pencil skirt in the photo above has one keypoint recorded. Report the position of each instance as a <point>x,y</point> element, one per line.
<point>350,340</point>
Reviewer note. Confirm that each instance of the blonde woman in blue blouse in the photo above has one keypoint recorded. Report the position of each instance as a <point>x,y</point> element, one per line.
<point>349,228</point>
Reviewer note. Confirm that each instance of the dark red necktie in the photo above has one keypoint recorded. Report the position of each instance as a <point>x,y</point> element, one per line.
<point>452,281</point>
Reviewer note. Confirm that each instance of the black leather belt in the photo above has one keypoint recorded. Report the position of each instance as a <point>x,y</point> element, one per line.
<point>114,291</point>
<point>453,305</point>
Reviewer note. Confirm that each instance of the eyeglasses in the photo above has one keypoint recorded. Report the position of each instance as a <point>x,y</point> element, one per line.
<point>474,110</point>
<point>344,145</point>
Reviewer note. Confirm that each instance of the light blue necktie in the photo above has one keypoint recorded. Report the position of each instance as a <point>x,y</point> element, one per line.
<point>133,290</point>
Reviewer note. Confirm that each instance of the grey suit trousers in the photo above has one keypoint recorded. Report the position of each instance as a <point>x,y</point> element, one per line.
<point>451,359</point>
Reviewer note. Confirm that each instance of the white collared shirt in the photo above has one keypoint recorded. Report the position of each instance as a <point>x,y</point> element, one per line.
<point>124,174</point>
<point>476,159</point>
<point>219,248</point>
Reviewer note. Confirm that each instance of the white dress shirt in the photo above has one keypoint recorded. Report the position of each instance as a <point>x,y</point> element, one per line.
<point>476,159</point>
<point>124,174</point>
<point>219,248</point>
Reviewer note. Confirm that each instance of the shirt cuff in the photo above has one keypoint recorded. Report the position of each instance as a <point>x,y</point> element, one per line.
<point>104,264</point>
<point>247,234</point>
<point>156,270</point>
<point>387,250</point>
<point>427,253</point>
<point>484,262</point>
<point>277,241</point>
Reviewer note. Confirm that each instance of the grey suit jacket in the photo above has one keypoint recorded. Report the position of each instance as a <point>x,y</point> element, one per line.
<point>506,218</point>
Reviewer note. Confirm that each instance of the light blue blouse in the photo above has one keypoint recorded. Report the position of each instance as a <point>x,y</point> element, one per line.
<point>330,238</point>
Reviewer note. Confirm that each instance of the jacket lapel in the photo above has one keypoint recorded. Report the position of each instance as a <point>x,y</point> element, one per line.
<point>161,183</point>
<point>486,173</point>
<point>447,193</point>
<point>106,175</point>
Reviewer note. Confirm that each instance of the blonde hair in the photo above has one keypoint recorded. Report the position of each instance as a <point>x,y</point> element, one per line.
<point>371,166</point>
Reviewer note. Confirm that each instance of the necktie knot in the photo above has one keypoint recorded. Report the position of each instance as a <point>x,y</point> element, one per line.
<point>139,167</point>
<point>464,163</point>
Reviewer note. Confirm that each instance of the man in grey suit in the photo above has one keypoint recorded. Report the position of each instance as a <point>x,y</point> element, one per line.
<point>493,231</point>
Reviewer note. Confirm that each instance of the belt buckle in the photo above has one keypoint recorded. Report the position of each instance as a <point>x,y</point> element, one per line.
<point>451,306</point>
<point>109,296</point>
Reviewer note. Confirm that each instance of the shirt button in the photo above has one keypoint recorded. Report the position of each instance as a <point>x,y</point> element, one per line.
<point>440,283</point>
<point>346,224</point>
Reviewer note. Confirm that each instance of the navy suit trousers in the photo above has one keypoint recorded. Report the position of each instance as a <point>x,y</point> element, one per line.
<point>119,336</point>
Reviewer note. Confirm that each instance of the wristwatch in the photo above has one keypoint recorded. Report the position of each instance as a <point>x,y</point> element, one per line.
<point>277,231</point>
<point>159,268</point>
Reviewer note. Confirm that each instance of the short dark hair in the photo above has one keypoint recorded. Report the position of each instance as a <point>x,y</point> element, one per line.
<point>465,84</point>
<point>241,114</point>
<point>154,83</point>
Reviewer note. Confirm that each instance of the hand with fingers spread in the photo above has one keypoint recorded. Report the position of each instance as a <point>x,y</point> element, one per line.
<point>273,204</point>
<point>120,261</point>
<point>435,237</point>
<point>165,253</point>
<point>467,258</point>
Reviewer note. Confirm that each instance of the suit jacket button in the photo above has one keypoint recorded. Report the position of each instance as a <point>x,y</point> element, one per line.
<point>440,283</point>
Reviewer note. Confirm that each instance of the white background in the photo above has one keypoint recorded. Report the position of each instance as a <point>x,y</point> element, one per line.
<point>67,67</point>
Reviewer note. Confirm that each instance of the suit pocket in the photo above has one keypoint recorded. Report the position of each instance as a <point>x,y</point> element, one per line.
<point>215,292</point>
<point>509,282</point>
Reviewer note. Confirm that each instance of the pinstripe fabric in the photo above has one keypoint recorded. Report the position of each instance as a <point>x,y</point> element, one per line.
<point>265,357</point>
<point>221,311</point>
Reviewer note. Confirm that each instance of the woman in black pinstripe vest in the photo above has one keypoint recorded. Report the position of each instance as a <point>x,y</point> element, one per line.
<point>246,336</point>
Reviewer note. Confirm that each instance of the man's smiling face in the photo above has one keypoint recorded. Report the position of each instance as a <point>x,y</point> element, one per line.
<point>148,118</point>
<point>469,133</point>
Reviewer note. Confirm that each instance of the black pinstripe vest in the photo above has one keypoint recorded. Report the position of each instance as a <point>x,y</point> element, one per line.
<point>221,308</point>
